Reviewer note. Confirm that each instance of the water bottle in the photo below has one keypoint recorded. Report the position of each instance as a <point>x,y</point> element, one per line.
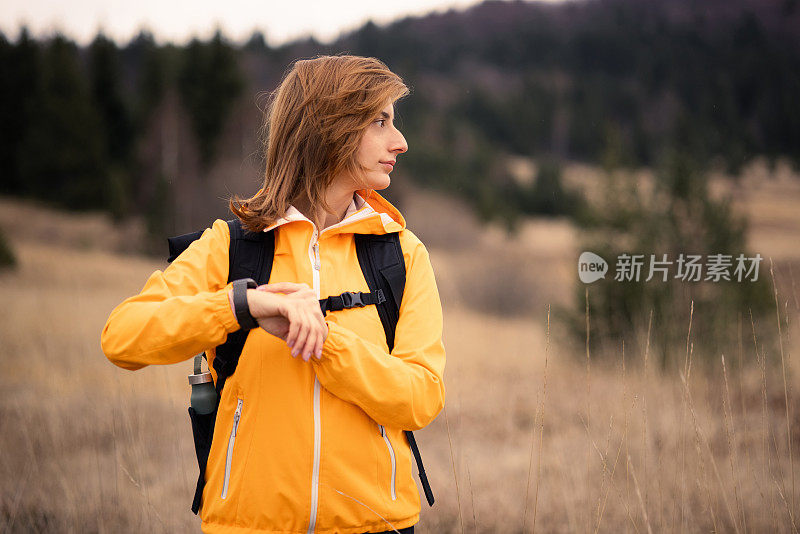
<point>204,397</point>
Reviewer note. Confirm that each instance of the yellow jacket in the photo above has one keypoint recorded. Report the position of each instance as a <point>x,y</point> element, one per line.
<point>319,445</point>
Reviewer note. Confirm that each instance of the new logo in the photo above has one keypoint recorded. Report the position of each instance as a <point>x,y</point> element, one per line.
<point>591,267</point>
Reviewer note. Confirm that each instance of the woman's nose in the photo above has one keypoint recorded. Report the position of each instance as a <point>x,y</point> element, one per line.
<point>399,144</point>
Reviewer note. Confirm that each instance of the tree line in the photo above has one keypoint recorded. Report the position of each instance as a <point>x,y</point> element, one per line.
<point>552,82</point>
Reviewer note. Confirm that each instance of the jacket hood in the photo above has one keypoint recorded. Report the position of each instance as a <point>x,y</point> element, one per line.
<point>369,213</point>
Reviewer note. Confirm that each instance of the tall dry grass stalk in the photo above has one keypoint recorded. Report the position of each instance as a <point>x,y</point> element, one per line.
<point>588,412</point>
<point>627,413</point>
<point>538,417</point>
<point>455,474</point>
<point>761,359</point>
<point>789,390</point>
<point>604,463</point>
<point>769,433</point>
<point>639,496</point>
<point>686,372</point>
<point>785,387</point>
<point>471,497</point>
<point>644,403</point>
<point>530,463</point>
<point>699,441</point>
<point>730,433</point>
<point>541,420</point>
<point>744,414</point>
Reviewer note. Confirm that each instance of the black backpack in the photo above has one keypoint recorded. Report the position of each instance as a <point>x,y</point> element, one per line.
<point>250,256</point>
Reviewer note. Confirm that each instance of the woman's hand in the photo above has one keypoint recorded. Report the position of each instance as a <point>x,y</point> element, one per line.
<point>291,312</point>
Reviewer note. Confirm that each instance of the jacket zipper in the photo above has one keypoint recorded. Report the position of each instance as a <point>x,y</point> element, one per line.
<point>313,253</point>
<point>391,456</point>
<point>236,416</point>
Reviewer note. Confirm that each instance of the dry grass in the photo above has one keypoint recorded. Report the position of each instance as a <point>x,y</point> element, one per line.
<point>88,447</point>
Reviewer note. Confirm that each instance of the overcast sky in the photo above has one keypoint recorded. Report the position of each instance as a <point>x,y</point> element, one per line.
<point>179,21</point>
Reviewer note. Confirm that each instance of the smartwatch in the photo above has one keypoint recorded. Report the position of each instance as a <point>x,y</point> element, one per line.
<point>240,307</point>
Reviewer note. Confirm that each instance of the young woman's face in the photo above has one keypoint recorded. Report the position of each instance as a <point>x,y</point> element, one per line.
<point>380,145</point>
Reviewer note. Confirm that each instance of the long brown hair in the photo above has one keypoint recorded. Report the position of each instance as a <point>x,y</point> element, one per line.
<point>314,122</point>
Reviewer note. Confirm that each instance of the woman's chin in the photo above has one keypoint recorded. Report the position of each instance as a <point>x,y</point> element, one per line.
<point>379,183</point>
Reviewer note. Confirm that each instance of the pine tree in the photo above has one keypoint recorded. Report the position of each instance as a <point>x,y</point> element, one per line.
<point>115,123</point>
<point>209,83</point>
<point>62,152</point>
<point>20,86</point>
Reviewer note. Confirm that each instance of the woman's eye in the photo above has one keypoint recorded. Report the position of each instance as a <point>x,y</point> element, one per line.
<point>382,121</point>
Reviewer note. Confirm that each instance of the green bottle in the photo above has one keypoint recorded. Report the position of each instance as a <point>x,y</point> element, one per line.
<point>204,396</point>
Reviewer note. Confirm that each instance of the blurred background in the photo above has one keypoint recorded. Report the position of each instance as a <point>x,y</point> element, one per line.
<point>536,131</point>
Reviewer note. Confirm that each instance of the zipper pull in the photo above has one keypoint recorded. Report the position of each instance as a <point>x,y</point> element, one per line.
<point>237,414</point>
<point>316,257</point>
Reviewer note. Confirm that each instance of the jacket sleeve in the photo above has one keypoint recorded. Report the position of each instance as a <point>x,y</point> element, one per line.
<point>180,312</point>
<point>404,389</point>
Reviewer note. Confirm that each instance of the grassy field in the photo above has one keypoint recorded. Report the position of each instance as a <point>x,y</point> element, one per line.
<point>533,437</point>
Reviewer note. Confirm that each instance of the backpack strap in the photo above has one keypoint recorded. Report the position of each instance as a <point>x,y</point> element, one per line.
<point>381,261</point>
<point>250,255</point>
<point>180,243</point>
<point>350,299</point>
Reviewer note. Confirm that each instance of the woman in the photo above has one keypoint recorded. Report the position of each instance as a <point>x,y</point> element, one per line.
<point>319,443</point>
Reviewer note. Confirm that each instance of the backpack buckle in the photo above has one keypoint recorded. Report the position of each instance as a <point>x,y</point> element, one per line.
<point>352,300</point>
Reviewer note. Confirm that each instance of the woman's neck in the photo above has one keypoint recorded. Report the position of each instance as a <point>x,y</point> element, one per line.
<point>337,199</point>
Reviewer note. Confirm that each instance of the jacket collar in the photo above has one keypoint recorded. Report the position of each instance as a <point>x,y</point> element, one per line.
<point>368,213</point>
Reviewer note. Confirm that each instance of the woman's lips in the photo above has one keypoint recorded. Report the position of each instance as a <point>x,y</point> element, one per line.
<point>388,165</point>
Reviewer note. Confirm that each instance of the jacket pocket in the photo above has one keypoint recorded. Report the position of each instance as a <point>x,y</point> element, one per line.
<point>390,449</point>
<point>231,443</point>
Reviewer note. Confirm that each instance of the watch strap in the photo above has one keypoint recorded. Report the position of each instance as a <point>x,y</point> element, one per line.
<point>240,307</point>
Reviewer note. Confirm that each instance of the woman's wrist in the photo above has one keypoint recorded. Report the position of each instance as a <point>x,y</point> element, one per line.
<point>250,299</point>
<point>262,303</point>
<point>253,302</point>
